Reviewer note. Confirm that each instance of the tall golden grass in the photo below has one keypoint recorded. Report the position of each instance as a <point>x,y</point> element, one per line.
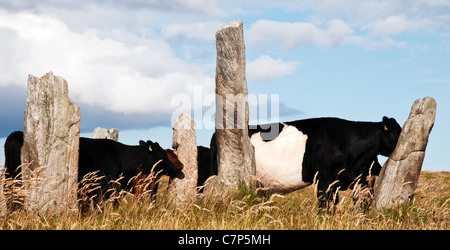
<point>248,209</point>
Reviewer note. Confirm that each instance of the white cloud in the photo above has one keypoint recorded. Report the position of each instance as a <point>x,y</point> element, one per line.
<point>101,71</point>
<point>335,33</point>
<point>203,31</point>
<point>296,34</point>
<point>429,71</point>
<point>370,43</point>
<point>359,13</point>
<point>394,25</point>
<point>267,68</point>
<point>205,7</point>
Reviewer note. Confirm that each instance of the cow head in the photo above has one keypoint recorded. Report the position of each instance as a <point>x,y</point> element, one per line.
<point>390,132</point>
<point>174,159</point>
<point>165,167</point>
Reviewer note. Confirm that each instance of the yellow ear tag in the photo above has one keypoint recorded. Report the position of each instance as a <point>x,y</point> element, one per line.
<point>150,148</point>
<point>385,128</point>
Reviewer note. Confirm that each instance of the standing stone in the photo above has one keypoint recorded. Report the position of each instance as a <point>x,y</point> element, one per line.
<point>51,142</point>
<point>235,156</point>
<point>185,147</point>
<point>3,208</point>
<point>103,133</point>
<point>398,178</point>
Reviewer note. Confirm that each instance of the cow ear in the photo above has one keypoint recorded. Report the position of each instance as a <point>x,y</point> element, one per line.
<point>385,123</point>
<point>156,145</point>
<point>150,146</point>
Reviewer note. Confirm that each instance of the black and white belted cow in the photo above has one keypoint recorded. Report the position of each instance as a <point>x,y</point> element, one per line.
<point>332,151</point>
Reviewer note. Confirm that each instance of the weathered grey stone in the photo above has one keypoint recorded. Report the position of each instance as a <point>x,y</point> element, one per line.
<point>51,142</point>
<point>235,156</point>
<point>3,208</point>
<point>185,147</point>
<point>398,178</point>
<point>103,133</point>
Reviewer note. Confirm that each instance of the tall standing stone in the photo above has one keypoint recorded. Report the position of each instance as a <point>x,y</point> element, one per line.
<point>185,147</point>
<point>51,143</point>
<point>398,178</point>
<point>103,133</point>
<point>235,156</point>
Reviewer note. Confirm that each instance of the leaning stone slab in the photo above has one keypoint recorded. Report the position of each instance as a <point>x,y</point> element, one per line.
<point>51,143</point>
<point>398,178</point>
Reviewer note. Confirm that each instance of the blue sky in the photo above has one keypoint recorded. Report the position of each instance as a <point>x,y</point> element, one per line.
<point>126,60</point>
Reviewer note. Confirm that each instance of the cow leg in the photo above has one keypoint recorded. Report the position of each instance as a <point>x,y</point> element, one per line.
<point>371,191</point>
<point>326,193</point>
<point>154,189</point>
<point>374,172</point>
<point>323,201</point>
<point>113,193</point>
<point>91,191</point>
<point>335,196</point>
<point>371,184</point>
<point>323,195</point>
<point>363,193</point>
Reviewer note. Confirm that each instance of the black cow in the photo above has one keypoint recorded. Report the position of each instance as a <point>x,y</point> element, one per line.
<point>144,183</point>
<point>114,160</point>
<point>205,166</point>
<point>110,159</point>
<point>339,151</point>
<point>13,145</point>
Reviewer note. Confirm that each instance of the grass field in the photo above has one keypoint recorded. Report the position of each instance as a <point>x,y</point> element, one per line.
<point>246,209</point>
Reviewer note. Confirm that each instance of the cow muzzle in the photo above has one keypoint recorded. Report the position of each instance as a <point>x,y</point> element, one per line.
<point>179,175</point>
